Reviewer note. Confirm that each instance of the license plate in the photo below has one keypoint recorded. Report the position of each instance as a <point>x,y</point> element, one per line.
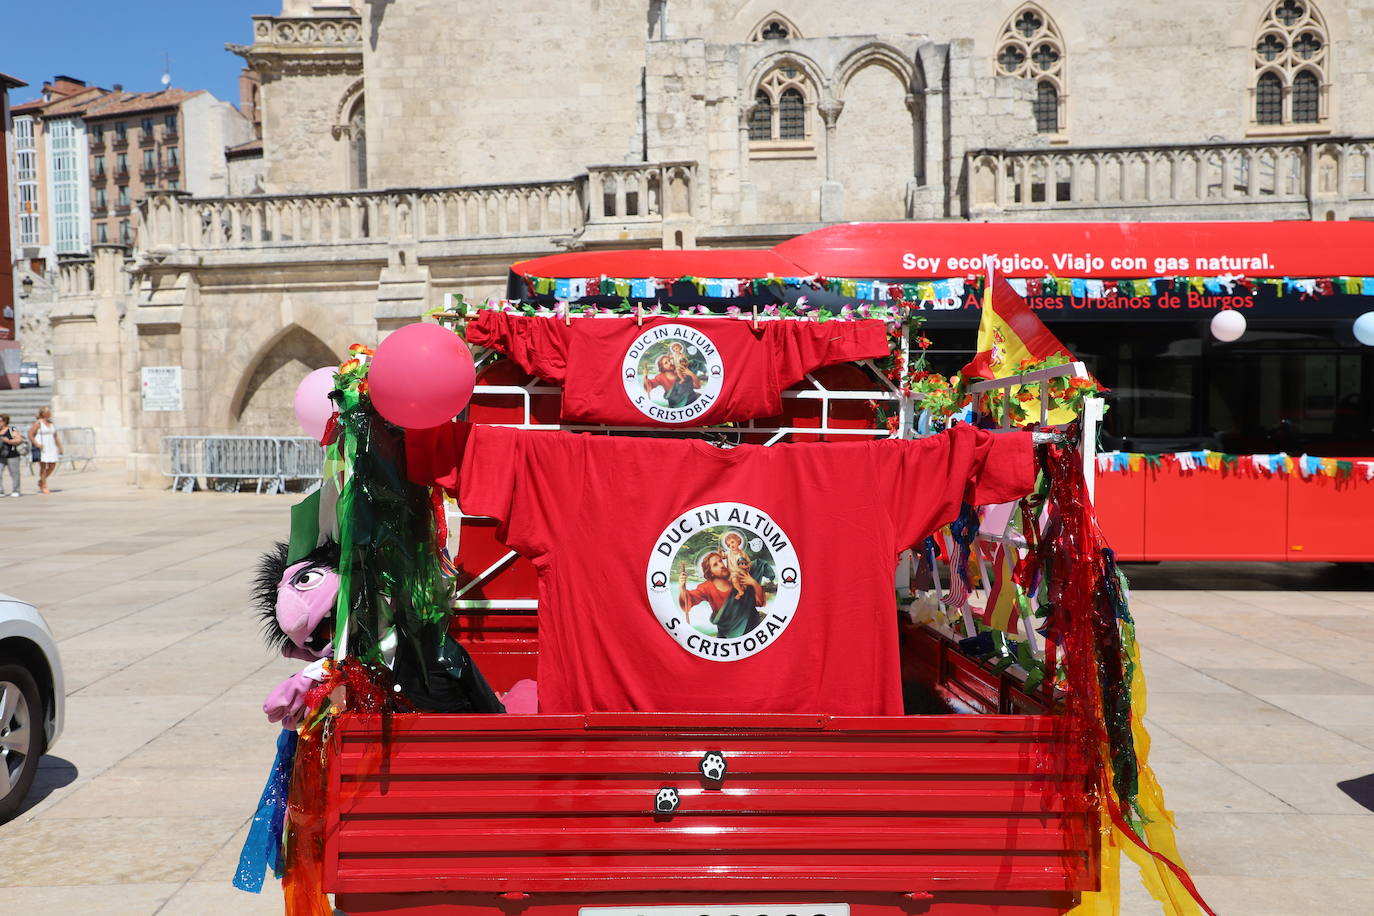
<point>772,909</point>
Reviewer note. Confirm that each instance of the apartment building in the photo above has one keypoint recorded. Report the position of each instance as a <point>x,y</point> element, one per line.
<point>46,138</point>
<point>85,156</point>
<point>9,347</point>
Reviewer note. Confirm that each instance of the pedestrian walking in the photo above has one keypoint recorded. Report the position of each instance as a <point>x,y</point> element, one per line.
<point>47,446</point>
<point>11,453</point>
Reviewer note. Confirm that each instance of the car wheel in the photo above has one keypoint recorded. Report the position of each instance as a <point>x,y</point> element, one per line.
<point>21,736</point>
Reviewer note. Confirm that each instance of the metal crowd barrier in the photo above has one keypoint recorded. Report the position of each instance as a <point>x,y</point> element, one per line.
<point>78,444</point>
<point>224,462</point>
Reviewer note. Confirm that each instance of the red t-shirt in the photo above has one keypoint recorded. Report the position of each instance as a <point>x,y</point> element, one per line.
<point>701,371</point>
<point>611,523</point>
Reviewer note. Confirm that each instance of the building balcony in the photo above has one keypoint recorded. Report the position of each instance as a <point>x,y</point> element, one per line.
<point>100,177</point>
<point>97,211</point>
<point>120,142</point>
<point>147,140</point>
<point>645,202</point>
<point>1279,179</point>
<point>122,209</point>
<point>121,174</point>
<point>148,175</point>
<point>169,170</point>
<point>170,136</point>
<point>97,144</point>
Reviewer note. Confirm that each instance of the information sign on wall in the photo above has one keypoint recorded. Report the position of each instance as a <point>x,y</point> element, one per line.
<point>162,388</point>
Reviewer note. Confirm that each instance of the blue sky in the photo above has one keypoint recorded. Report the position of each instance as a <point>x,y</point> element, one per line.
<point>106,43</point>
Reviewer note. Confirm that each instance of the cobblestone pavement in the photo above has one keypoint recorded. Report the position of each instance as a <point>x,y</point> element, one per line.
<point>1261,680</point>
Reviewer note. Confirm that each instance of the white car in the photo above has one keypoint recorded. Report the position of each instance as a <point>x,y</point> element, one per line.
<point>32,699</point>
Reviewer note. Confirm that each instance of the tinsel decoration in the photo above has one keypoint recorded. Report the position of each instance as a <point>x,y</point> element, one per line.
<point>262,848</point>
<point>303,844</point>
<point>1106,695</point>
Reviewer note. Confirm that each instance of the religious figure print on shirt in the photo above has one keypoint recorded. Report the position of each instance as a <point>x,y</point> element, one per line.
<point>672,373</point>
<point>724,581</point>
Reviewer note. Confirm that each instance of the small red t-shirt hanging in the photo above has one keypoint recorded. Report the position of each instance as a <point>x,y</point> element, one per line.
<point>673,371</point>
<point>676,576</point>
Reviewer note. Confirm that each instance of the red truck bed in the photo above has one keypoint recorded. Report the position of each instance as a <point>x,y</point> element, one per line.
<point>981,811</point>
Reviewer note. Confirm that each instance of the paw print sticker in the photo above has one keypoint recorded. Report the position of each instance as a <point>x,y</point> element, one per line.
<point>666,801</point>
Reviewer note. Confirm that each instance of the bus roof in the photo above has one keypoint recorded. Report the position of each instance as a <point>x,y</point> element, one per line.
<point>909,250</point>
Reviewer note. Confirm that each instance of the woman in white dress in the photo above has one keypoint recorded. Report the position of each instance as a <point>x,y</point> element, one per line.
<point>43,435</point>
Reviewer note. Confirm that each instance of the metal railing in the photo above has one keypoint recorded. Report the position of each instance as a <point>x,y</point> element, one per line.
<point>224,462</point>
<point>78,444</point>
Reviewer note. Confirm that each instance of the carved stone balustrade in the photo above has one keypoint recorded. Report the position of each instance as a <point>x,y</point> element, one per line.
<point>1288,179</point>
<point>646,200</point>
<point>174,221</point>
<point>307,30</point>
<point>652,199</point>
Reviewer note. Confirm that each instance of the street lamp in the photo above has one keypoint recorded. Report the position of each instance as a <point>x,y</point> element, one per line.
<point>25,287</point>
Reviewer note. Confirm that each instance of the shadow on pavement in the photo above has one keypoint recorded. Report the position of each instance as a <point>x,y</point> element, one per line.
<point>1309,577</point>
<point>53,773</point>
<point>1361,791</point>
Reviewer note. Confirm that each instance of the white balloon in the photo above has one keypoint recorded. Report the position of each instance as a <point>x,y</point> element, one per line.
<point>1364,329</point>
<point>1228,325</point>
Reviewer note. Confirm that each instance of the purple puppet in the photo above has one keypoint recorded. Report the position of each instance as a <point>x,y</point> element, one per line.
<point>297,601</point>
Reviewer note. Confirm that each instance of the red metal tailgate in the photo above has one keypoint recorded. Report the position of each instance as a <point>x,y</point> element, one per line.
<point>565,804</point>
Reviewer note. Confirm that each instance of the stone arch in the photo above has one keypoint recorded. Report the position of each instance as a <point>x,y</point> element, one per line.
<point>1291,54</point>
<point>350,127</point>
<point>769,27</point>
<point>802,62</point>
<point>262,401</point>
<point>874,148</point>
<point>875,53</point>
<point>1030,45</point>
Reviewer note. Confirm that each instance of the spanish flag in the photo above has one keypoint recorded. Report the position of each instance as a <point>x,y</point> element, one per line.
<point>1001,612</point>
<point>1008,334</point>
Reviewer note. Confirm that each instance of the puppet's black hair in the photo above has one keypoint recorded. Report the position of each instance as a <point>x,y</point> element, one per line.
<point>271,567</point>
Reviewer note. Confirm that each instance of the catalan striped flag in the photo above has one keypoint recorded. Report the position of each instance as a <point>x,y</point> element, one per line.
<point>1001,613</point>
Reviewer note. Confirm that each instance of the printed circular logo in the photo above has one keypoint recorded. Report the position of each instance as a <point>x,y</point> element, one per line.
<point>672,373</point>
<point>724,581</point>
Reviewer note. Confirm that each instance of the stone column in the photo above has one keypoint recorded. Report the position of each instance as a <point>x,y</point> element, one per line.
<point>748,191</point>
<point>88,347</point>
<point>832,192</point>
<point>928,200</point>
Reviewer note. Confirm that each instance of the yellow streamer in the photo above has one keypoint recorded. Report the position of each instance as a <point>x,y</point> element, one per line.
<point>1162,883</point>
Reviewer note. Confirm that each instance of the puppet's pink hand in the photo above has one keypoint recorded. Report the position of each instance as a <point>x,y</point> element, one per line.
<point>286,702</point>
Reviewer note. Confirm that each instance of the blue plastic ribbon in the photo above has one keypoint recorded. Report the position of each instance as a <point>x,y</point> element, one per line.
<point>1078,287</point>
<point>262,848</point>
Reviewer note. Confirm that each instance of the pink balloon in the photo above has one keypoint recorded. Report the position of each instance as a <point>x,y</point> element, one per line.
<point>422,376</point>
<point>313,406</point>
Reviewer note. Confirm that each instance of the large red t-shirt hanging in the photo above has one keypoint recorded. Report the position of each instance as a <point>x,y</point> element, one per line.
<point>673,371</point>
<point>676,576</point>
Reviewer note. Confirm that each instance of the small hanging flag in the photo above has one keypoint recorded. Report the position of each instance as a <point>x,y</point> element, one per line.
<point>1000,614</point>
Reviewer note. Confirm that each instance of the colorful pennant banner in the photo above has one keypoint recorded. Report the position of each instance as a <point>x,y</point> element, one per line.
<point>949,288</point>
<point>1207,460</point>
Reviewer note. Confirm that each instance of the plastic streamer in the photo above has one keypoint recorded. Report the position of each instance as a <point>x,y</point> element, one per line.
<point>262,849</point>
<point>1106,698</point>
<point>390,578</point>
<point>303,841</point>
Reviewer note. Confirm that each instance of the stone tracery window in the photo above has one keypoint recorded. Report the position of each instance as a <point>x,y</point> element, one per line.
<point>1031,47</point>
<point>774,27</point>
<point>784,108</point>
<point>1290,65</point>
